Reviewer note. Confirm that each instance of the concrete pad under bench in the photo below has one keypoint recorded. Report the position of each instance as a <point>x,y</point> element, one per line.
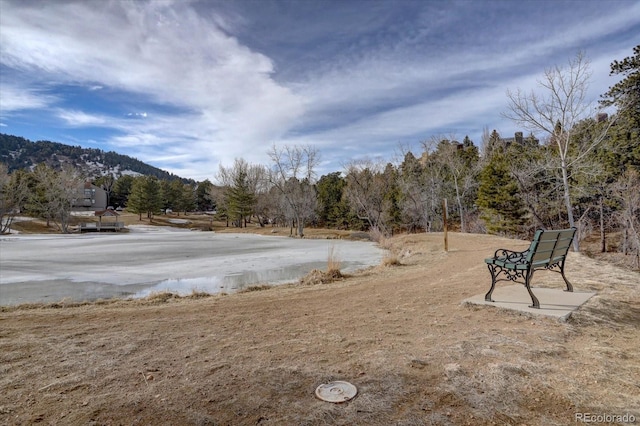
<point>554,302</point>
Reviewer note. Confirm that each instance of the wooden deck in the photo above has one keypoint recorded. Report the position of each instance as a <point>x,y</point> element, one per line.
<point>99,227</point>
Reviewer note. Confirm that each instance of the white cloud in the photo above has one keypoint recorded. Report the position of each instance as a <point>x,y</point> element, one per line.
<point>211,99</point>
<point>15,98</point>
<point>162,50</point>
<point>137,115</point>
<point>75,118</point>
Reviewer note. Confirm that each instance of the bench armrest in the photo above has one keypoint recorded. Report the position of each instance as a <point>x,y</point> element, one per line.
<point>511,256</point>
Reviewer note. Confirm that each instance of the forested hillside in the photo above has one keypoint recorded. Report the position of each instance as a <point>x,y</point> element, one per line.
<point>20,153</point>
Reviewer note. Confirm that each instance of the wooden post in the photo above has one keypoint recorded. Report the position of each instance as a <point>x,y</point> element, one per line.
<point>444,224</point>
<point>603,241</point>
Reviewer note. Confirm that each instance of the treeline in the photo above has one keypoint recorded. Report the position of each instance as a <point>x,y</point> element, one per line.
<point>583,172</point>
<point>20,153</point>
<point>149,195</point>
<point>52,194</point>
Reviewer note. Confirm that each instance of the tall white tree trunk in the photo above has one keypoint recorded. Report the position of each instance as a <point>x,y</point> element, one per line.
<point>459,202</point>
<point>567,202</point>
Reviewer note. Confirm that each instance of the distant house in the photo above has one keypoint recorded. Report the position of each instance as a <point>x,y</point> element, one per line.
<point>520,140</point>
<point>90,198</point>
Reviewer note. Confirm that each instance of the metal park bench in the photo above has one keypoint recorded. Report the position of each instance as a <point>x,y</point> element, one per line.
<point>548,250</point>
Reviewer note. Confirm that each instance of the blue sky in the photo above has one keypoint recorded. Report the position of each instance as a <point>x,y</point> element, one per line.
<point>189,85</point>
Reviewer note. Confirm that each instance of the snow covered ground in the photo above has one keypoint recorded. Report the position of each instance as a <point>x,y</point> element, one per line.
<point>49,268</point>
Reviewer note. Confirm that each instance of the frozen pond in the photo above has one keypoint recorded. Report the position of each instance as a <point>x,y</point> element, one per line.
<point>49,268</point>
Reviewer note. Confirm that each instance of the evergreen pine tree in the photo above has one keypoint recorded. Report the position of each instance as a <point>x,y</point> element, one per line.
<point>145,197</point>
<point>500,204</point>
<point>240,199</point>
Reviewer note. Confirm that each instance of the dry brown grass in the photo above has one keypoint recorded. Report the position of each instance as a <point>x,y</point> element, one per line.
<point>33,227</point>
<point>317,276</point>
<point>391,259</point>
<point>258,287</point>
<point>400,335</point>
<point>333,261</point>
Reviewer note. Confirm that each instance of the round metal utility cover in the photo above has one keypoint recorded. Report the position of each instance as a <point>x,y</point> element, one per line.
<point>336,391</point>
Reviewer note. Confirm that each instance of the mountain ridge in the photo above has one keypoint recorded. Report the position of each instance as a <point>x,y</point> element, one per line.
<point>21,153</point>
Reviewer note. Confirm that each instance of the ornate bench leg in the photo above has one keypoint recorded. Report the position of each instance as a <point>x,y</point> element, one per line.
<point>566,281</point>
<point>487,297</point>
<point>527,284</point>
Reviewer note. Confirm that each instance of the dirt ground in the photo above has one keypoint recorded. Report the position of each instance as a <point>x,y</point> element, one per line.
<point>398,332</point>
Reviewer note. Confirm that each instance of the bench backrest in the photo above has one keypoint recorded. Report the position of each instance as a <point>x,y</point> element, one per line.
<point>549,247</point>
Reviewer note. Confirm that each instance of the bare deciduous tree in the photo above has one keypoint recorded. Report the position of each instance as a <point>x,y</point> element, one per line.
<point>107,183</point>
<point>627,191</point>
<point>13,193</point>
<point>293,174</point>
<point>555,110</point>
<point>55,194</point>
<point>365,190</point>
<point>446,174</point>
<point>461,166</point>
<point>413,182</point>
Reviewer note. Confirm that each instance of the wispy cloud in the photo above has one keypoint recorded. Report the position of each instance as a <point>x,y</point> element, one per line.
<point>16,98</point>
<point>75,118</point>
<point>160,49</point>
<point>137,115</point>
<point>141,47</point>
<point>190,85</point>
